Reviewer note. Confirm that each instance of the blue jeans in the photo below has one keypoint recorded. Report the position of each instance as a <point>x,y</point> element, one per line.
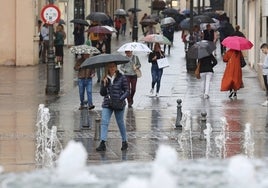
<point>156,77</point>
<point>85,85</point>
<point>105,120</point>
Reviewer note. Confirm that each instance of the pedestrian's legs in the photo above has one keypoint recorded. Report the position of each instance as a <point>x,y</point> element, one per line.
<point>81,87</point>
<point>89,90</point>
<point>98,74</point>
<point>132,80</point>
<point>208,77</point>
<point>158,79</point>
<point>164,48</point>
<point>169,46</point>
<point>154,76</point>
<point>105,120</point>
<point>119,116</point>
<point>265,77</point>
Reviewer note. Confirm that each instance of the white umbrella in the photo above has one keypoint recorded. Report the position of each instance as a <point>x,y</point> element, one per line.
<point>167,21</point>
<point>214,26</point>
<point>134,47</point>
<point>84,49</point>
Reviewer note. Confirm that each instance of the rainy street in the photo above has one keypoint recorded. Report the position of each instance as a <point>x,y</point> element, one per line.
<point>232,126</point>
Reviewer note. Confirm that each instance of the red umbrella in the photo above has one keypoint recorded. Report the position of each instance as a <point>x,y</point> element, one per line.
<point>237,43</point>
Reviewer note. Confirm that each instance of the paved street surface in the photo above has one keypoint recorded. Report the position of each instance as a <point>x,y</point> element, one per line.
<point>151,121</point>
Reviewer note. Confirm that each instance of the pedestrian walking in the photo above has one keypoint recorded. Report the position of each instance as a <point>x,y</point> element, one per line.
<point>238,32</point>
<point>264,65</point>
<point>232,77</point>
<point>206,73</point>
<point>143,26</point>
<point>45,35</point>
<point>210,35</point>
<point>117,25</point>
<point>79,35</point>
<point>168,32</point>
<point>85,76</point>
<point>101,45</point>
<point>114,85</point>
<point>128,70</point>
<point>156,72</point>
<point>60,36</point>
<point>123,25</point>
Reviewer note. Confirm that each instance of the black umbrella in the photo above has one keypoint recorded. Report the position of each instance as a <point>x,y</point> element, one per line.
<point>103,59</point>
<point>134,10</point>
<point>170,11</point>
<point>202,19</point>
<point>97,16</point>
<point>201,49</point>
<point>120,12</point>
<point>185,24</point>
<point>148,21</point>
<point>80,21</point>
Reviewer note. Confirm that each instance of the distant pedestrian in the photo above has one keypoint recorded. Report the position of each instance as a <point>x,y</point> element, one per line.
<point>128,70</point>
<point>60,36</point>
<point>150,29</point>
<point>232,77</point>
<point>85,76</point>
<point>79,35</point>
<point>143,26</point>
<point>117,25</point>
<point>206,72</point>
<point>156,72</point>
<point>101,46</point>
<point>238,32</point>
<point>264,65</point>
<point>123,25</point>
<point>210,35</point>
<point>185,38</point>
<point>113,85</point>
<point>168,32</point>
<point>226,29</point>
<point>45,36</point>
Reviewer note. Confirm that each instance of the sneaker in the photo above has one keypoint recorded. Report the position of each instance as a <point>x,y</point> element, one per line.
<point>235,95</point>
<point>102,146</point>
<point>90,107</point>
<point>152,91</point>
<point>124,146</point>
<point>206,96</point>
<point>157,94</point>
<point>81,108</point>
<point>265,103</point>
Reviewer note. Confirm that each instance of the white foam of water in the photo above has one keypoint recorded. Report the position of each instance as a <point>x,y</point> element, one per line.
<point>207,133</point>
<point>71,166</point>
<point>241,172</point>
<point>161,175</point>
<point>249,141</point>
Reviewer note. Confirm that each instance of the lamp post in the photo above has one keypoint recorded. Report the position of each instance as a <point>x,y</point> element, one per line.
<point>135,24</point>
<point>53,85</point>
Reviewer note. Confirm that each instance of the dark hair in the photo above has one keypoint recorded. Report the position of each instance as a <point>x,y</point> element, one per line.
<point>264,45</point>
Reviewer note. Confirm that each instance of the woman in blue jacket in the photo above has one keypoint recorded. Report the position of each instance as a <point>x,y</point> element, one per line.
<point>114,85</point>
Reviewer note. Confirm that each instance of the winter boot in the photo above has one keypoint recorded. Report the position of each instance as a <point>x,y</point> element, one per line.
<point>102,146</point>
<point>124,146</point>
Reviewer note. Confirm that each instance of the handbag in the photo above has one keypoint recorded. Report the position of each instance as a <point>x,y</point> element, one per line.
<point>138,73</point>
<point>162,63</point>
<point>197,71</point>
<point>116,104</point>
<point>242,61</point>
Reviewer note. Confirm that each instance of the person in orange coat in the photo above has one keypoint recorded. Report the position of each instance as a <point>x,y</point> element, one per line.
<point>232,77</point>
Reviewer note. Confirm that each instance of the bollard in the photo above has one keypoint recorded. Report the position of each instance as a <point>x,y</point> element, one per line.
<point>179,114</point>
<point>203,124</point>
<point>97,129</point>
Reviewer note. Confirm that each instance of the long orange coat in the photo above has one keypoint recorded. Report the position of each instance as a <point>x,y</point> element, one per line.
<point>232,77</point>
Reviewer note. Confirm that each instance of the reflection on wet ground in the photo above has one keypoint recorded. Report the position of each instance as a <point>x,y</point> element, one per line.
<point>150,122</point>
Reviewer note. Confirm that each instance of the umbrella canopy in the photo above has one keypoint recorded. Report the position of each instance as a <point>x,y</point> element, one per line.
<point>167,21</point>
<point>148,21</point>
<point>201,49</point>
<point>214,26</point>
<point>134,47</point>
<point>84,49</point>
<point>80,21</point>
<point>105,29</point>
<point>134,10</point>
<point>97,16</point>
<point>186,12</point>
<point>156,38</point>
<point>103,59</point>
<point>237,43</point>
<point>170,11</point>
<point>120,12</point>
<point>202,19</point>
<point>185,24</point>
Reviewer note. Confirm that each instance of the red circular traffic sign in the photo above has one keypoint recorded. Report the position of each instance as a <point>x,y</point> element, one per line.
<point>50,14</point>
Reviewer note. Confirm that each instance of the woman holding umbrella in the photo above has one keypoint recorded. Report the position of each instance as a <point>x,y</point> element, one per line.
<point>113,86</point>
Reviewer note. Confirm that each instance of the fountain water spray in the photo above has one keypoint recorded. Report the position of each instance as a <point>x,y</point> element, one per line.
<point>207,133</point>
<point>48,146</point>
<point>249,141</point>
<point>220,140</point>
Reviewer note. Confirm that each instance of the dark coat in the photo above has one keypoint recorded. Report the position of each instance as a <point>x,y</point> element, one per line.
<point>158,55</point>
<point>207,63</point>
<point>118,90</point>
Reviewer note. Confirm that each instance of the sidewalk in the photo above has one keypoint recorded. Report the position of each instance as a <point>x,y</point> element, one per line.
<point>150,122</point>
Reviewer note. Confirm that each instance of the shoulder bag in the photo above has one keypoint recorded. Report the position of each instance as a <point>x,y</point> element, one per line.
<point>137,70</point>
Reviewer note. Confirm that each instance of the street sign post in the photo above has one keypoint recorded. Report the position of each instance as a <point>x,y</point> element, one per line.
<point>50,14</point>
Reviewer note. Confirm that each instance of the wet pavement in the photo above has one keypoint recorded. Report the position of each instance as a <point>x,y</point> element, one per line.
<point>151,121</point>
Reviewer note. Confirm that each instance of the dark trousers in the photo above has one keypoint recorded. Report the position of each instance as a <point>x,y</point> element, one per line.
<point>266,84</point>
<point>132,82</point>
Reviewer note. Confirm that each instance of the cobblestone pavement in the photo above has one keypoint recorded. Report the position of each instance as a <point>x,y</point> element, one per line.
<point>151,121</point>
